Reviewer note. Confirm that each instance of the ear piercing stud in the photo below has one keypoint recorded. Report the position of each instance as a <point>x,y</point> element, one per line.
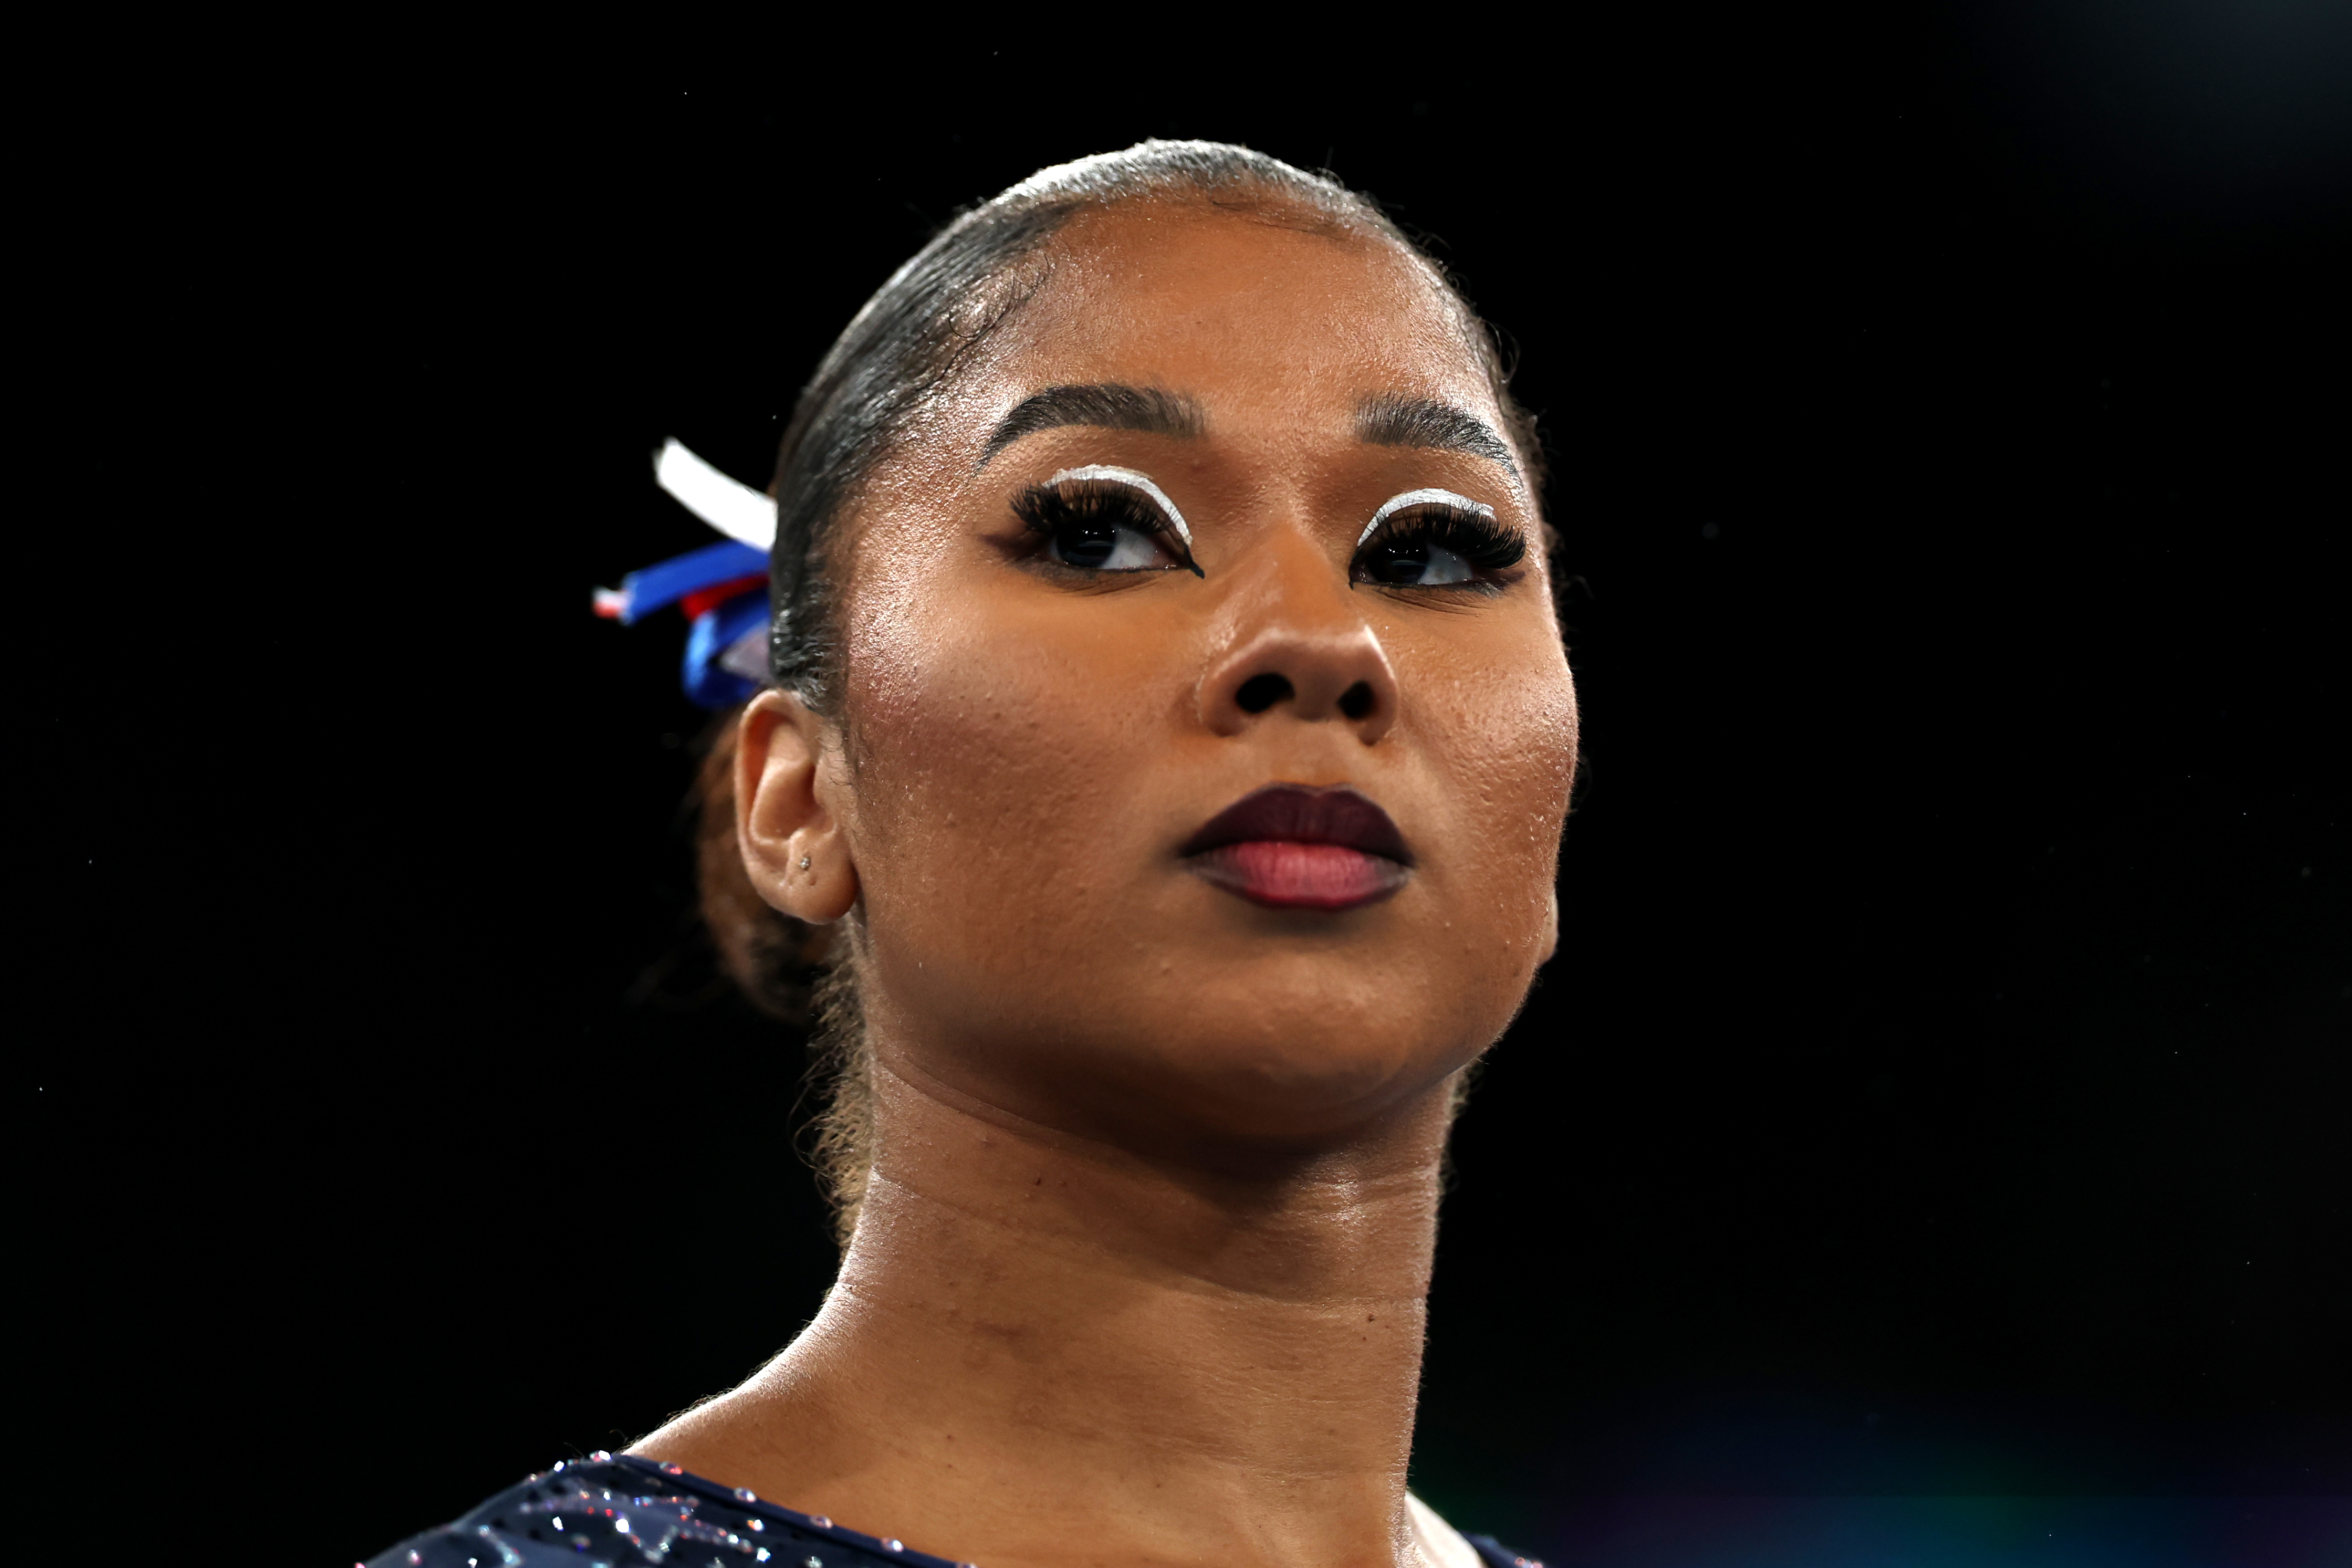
<point>804,862</point>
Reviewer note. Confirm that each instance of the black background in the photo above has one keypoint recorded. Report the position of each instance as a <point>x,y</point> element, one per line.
<point>1942,1084</point>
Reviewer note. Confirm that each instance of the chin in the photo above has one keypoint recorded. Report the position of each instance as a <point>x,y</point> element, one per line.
<point>1288,1037</point>
<point>1301,1064</point>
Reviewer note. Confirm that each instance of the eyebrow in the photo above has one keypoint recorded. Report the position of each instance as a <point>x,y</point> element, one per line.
<point>1391,419</point>
<point>1106,404</point>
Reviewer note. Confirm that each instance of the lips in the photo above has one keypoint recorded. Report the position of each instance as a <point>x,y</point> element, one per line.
<point>1288,847</point>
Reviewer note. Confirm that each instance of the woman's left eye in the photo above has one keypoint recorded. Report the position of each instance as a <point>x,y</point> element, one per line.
<point>1417,564</point>
<point>1436,539</point>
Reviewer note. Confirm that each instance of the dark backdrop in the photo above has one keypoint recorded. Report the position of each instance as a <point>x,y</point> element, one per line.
<point>1941,1085</point>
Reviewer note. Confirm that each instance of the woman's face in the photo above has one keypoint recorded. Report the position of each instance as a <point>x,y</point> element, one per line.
<point>1045,706</point>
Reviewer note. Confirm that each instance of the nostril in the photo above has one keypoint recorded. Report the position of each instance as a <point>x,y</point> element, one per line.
<point>1260,692</point>
<point>1357,702</point>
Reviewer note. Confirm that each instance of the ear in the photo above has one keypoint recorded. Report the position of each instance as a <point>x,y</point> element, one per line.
<point>787,790</point>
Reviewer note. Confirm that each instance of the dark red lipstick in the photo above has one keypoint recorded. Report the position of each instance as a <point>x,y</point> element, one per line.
<point>1290,847</point>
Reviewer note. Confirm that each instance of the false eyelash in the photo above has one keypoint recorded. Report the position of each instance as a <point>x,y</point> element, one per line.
<point>1048,509</point>
<point>1475,536</point>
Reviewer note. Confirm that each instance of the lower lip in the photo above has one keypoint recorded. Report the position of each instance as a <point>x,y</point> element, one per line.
<point>1283,875</point>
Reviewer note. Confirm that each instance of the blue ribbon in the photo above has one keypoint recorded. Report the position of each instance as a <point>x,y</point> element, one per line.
<point>645,591</point>
<point>714,632</point>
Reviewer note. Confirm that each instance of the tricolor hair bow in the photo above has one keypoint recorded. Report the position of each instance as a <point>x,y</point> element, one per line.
<point>722,587</point>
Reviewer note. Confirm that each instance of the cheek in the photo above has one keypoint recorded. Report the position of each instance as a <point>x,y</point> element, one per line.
<point>1510,758</point>
<point>993,754</point>
<point>1506,754</point>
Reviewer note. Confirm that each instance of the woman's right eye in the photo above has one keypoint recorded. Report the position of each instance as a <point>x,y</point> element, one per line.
<point>1100,525</point>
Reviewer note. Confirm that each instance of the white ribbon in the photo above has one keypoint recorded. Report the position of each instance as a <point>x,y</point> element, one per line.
<point>731,507</point>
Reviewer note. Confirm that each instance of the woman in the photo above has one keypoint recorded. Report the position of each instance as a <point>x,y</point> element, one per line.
<point>1165,752</point>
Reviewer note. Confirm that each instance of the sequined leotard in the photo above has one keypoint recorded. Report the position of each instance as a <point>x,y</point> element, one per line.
<point>609,1511</point>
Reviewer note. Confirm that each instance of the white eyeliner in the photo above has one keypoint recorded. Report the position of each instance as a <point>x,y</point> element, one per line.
<point>1129,476</point>
<point>1420,497</point>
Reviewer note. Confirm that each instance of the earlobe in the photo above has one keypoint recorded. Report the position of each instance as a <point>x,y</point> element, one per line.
<point>793,847</point>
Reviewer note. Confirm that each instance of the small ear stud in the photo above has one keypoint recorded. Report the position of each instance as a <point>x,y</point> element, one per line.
<point>804,862</point>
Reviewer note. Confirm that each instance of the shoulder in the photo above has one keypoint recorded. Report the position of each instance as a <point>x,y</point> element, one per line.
<point>1443,1546</point>
<point>627,1513</point>
<point>1493,1554</point>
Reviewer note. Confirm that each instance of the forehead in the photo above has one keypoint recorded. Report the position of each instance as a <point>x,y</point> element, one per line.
<point>1256,313</point>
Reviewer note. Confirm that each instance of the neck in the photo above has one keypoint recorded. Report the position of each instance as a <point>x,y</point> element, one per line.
<point>1043,1349</point>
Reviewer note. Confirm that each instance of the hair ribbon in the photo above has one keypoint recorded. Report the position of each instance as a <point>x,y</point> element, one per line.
<point>721,588</point>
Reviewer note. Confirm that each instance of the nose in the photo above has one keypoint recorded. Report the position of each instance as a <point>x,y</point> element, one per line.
<point>1300,648</point>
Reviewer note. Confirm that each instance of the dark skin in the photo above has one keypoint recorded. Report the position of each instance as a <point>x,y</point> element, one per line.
<point>1139,1276</point>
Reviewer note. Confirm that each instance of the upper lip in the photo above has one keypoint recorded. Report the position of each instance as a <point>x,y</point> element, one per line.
<point>1304,815</point>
